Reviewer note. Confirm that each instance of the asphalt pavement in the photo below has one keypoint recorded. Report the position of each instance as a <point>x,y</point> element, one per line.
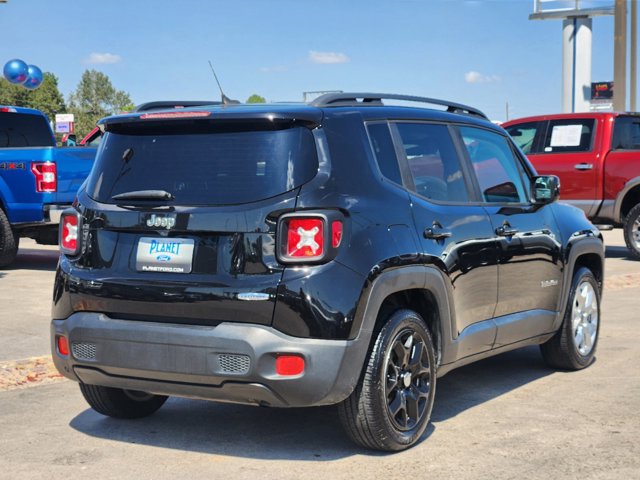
<point>505,417</point>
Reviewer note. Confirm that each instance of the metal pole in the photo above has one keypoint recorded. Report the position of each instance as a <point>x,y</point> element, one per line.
<point>620,56</point>
<point>633,61</point>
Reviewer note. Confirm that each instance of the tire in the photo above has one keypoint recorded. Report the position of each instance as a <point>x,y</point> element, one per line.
<point>573,347</point>
<point>400,367</point>
<point>118,403</point>
<point>631,229</point>
<point>8,242</point>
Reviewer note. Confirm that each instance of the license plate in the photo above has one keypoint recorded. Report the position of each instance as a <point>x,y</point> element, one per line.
<point>173,255</point>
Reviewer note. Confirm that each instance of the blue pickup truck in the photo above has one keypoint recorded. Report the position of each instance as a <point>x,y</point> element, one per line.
<point>37,180</point>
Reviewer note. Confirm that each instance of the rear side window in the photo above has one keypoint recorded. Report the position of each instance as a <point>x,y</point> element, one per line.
<point>214,168</point>
<point>498,171</point>
<point>569,135</point>
<point>385,152</point>
<point>433,162</point>
<point>524,135</point>
<point>24,130</point>
<point>626,133</point>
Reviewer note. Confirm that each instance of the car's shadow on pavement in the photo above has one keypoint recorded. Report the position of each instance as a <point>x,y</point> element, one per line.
<point>303,433</point>
<point>35,259</point>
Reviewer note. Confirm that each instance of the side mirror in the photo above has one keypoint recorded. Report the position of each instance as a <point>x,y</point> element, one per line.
<point>545,188</point>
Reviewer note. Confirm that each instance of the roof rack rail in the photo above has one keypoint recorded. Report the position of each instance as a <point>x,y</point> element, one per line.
<point>375,99</point>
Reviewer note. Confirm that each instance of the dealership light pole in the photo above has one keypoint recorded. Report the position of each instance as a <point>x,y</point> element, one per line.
<point>576,48</point>
<point>620,56</point>
<point>633,59</point>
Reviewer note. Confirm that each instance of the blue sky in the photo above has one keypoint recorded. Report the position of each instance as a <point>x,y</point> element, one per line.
<point>484,53</point>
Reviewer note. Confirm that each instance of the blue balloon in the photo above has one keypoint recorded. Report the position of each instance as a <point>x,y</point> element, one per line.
<point>16,71</point>
<point>34,79</point>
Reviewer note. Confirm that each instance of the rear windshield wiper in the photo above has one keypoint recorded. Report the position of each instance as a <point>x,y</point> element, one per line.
<point>144,195</point>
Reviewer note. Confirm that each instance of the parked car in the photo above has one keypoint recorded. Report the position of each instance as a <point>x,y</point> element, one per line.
<point>343,252</point>
<point>596,156</point>
<point>37,180</point>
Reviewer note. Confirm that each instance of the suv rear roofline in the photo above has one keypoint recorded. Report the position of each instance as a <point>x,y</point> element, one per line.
<point>168,104</point>
<point>348,99</point>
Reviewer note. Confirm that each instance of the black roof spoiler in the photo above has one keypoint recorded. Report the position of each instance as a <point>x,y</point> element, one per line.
<point>347,99</point>
<point>168,104</point>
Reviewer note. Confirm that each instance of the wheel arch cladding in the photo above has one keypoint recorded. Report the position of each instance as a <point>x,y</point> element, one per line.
<point>418,288</point>
<point>630,200</point>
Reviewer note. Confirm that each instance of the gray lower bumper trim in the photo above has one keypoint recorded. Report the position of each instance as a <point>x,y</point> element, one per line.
<point>230,362</point>
<point>233,392</point>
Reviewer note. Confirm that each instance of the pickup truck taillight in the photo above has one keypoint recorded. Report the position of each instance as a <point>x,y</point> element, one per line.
<point>46,178</point>
<point>69,240</point>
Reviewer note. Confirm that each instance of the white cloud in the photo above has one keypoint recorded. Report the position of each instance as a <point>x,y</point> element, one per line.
<point>327,57</point>
<point>477,77</point>
<point>102,58</point>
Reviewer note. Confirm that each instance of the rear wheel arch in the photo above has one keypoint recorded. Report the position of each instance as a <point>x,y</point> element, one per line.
<point>419,288</point>
<point>630,200</point>
<point>423,302</point>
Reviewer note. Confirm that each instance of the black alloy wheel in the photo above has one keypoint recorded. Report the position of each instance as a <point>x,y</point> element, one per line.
<point>390,407</point>
<point>408,379</point>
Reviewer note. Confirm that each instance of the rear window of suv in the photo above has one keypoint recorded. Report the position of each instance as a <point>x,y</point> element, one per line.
<point>206,167</point>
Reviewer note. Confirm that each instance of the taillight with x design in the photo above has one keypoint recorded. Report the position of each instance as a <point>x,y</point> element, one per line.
<point>309,237</point>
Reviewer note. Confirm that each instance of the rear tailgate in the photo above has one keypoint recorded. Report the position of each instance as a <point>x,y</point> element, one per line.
<point>18,183</point>
<point>204,251</point>
<point>73,165</point>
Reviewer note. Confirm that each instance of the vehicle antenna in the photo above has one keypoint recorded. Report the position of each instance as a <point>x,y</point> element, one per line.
<point>225,100</point>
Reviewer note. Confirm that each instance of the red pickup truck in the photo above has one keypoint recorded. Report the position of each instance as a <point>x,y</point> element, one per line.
<point>597,157</point>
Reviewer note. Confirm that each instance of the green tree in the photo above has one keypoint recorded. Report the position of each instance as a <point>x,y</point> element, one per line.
<point>255,98</point>
<point>94,98</point>
<point>46,98</point>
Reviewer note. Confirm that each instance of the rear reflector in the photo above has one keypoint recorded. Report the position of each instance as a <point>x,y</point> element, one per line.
<point>289,365</point>
<point>305,238</point>
<point>62,345</point>
<point>69,233</point>
<point>46,178</point>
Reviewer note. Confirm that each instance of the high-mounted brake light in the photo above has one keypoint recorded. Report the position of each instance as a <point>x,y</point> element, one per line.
<point>8,110</point>
<point>46,178</point>
<point>169,115</point>
<point>69,233</point>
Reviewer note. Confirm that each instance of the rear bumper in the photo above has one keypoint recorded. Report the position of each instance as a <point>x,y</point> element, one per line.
<point>52,213</point>
<point>229,362</point>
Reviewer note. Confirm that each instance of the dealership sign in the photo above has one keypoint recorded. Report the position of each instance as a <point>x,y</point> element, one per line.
<point>64,122</point>
<point>602,91</point>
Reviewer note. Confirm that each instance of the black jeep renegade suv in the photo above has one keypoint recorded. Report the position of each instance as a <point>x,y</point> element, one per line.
<point>343,252</point>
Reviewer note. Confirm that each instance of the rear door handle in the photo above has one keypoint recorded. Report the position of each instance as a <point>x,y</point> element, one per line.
<point>434,233</point>
<point>583,166</point>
